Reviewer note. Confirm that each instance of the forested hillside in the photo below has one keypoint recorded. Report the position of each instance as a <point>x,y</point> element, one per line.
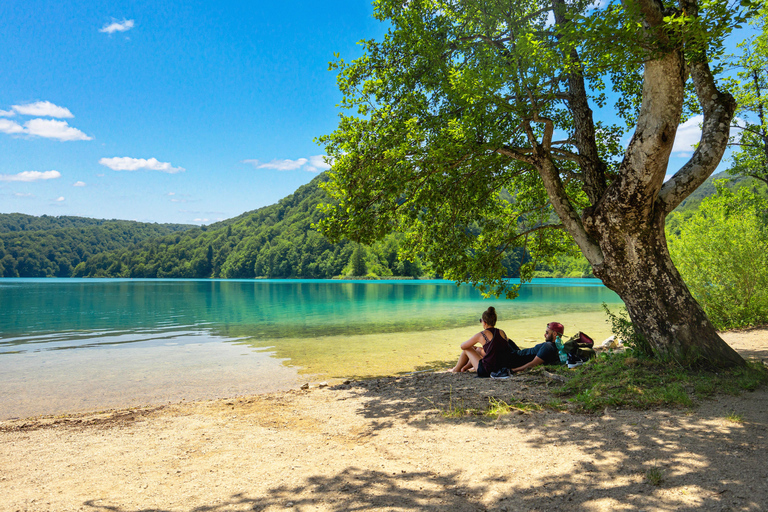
<point>691,204</point>
<point>53,246</point>
<point>275,241</point>
<point>10,222</point>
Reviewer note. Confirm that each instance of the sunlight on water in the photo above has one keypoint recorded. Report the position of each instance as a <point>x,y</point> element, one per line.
<point>379,354</point>
<point>73,344</point>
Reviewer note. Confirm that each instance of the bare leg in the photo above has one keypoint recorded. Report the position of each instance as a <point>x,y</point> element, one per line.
<point>463,362</point>
<point>468,359</point>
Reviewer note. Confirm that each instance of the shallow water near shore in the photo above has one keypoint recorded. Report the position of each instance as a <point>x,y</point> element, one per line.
<point>73,344</point>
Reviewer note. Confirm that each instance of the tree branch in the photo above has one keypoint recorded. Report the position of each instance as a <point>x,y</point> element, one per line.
<point>593,168</point>
<point>718,109</point>
<point>550,175</point>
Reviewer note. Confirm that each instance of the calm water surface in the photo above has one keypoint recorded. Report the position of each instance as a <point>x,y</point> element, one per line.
<point>77,344</point>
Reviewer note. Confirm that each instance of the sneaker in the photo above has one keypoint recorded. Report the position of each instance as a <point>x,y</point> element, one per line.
<point>574,361</point>
<point>502,374</point>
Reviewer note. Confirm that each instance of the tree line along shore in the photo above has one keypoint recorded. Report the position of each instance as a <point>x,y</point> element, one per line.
<point>277,241</point>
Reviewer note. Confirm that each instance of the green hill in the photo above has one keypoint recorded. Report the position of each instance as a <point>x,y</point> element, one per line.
<point>275,241</point>
<point>53,246</point>
<point>12,222</point>
<point>691,203</point>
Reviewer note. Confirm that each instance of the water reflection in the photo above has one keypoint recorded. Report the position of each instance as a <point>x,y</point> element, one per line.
<point>73,344</point>
<point>41,314</point>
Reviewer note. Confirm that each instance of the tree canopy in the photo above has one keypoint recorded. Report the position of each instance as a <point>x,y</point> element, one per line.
<point>750,86</point>
<point>720,250</point>
<point>53,246</point>
<point>466,101</point>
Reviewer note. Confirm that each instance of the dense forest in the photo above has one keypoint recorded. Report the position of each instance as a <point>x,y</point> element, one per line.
<point>53,246</point>
<point>276,241</point>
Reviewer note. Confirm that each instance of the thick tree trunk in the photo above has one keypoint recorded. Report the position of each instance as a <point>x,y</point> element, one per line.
<point>638,267</point>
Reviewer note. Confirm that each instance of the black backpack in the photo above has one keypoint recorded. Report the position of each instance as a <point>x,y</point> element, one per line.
<point>580,345</point>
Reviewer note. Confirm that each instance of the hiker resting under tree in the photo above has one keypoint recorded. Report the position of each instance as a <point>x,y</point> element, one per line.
<point>543,353</point>
<point>494,352</point>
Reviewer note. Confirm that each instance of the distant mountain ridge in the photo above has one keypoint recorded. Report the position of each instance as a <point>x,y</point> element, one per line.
<point>53,246</point>
<point>12,222</point>
<point>275,241</point>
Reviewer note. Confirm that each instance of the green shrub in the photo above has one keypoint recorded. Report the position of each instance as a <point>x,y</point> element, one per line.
<point>622,328</point>
<point>720,252</point>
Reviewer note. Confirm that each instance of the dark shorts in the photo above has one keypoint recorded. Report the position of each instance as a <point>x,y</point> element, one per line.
<point>481,373</point>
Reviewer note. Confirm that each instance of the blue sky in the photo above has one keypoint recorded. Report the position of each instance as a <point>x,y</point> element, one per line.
<point>188,112</point>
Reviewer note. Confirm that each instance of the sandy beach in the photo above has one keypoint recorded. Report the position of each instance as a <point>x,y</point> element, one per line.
<point>383,444</point>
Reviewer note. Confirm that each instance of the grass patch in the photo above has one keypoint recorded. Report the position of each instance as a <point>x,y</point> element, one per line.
<point>621,380</point>
<point>735,417</point>
<point>498,407</point>
<point>494,409</point>
<point>654,476</point>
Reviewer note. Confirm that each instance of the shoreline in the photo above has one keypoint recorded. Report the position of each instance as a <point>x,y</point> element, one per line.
<point>388,444</point>
<point>750,342</point>
<point>200,366</point>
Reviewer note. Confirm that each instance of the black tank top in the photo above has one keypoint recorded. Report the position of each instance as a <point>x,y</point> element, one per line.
<point>498,354</point>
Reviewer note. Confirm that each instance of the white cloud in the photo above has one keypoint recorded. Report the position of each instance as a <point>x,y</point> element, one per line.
<point>134,164</point>
<point>78,184</point>
<point>312,164</point>
<point>20,194</point>
<point>7,126</point>
<point>59,199</point>
<point>200,220</point>
<point>51,129</point>
<point>280,165</point>
<point>171,194</point>
<point>31,176</point>
<point>42,109</point>
<point>7,113</point>
<point>317,163</point>
<point>117,26</point>
<point>688,134</point>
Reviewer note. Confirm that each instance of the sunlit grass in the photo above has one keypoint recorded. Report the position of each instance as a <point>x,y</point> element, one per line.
<point>495,408</point>
<point>621,380</point>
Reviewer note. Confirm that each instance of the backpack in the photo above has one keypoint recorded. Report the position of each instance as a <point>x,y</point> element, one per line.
<point>579,346</point>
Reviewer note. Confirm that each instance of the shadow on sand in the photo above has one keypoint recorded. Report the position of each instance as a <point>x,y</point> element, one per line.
<point>704,461</point>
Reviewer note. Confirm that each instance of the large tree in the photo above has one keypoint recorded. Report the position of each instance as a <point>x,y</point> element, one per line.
<point>750,88</point>
<point>471,128</point>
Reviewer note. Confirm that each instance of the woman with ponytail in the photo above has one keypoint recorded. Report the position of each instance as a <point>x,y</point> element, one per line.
<point>493,353</point>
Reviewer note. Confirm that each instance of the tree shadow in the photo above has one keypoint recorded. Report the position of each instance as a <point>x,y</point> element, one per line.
<point>721,461</point>
<point>351,489</point>
<point>702,460</point>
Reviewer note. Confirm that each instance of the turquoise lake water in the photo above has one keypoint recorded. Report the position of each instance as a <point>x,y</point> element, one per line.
<point>78,344</point>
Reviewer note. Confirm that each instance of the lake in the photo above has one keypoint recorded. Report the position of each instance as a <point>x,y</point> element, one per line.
<point>83,344</point>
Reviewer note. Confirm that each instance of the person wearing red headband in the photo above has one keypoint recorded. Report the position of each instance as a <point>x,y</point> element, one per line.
<point>543,353</point>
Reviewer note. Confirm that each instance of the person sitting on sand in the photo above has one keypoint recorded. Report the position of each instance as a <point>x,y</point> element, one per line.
<point>543,353</point>
<point>493,355</point>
